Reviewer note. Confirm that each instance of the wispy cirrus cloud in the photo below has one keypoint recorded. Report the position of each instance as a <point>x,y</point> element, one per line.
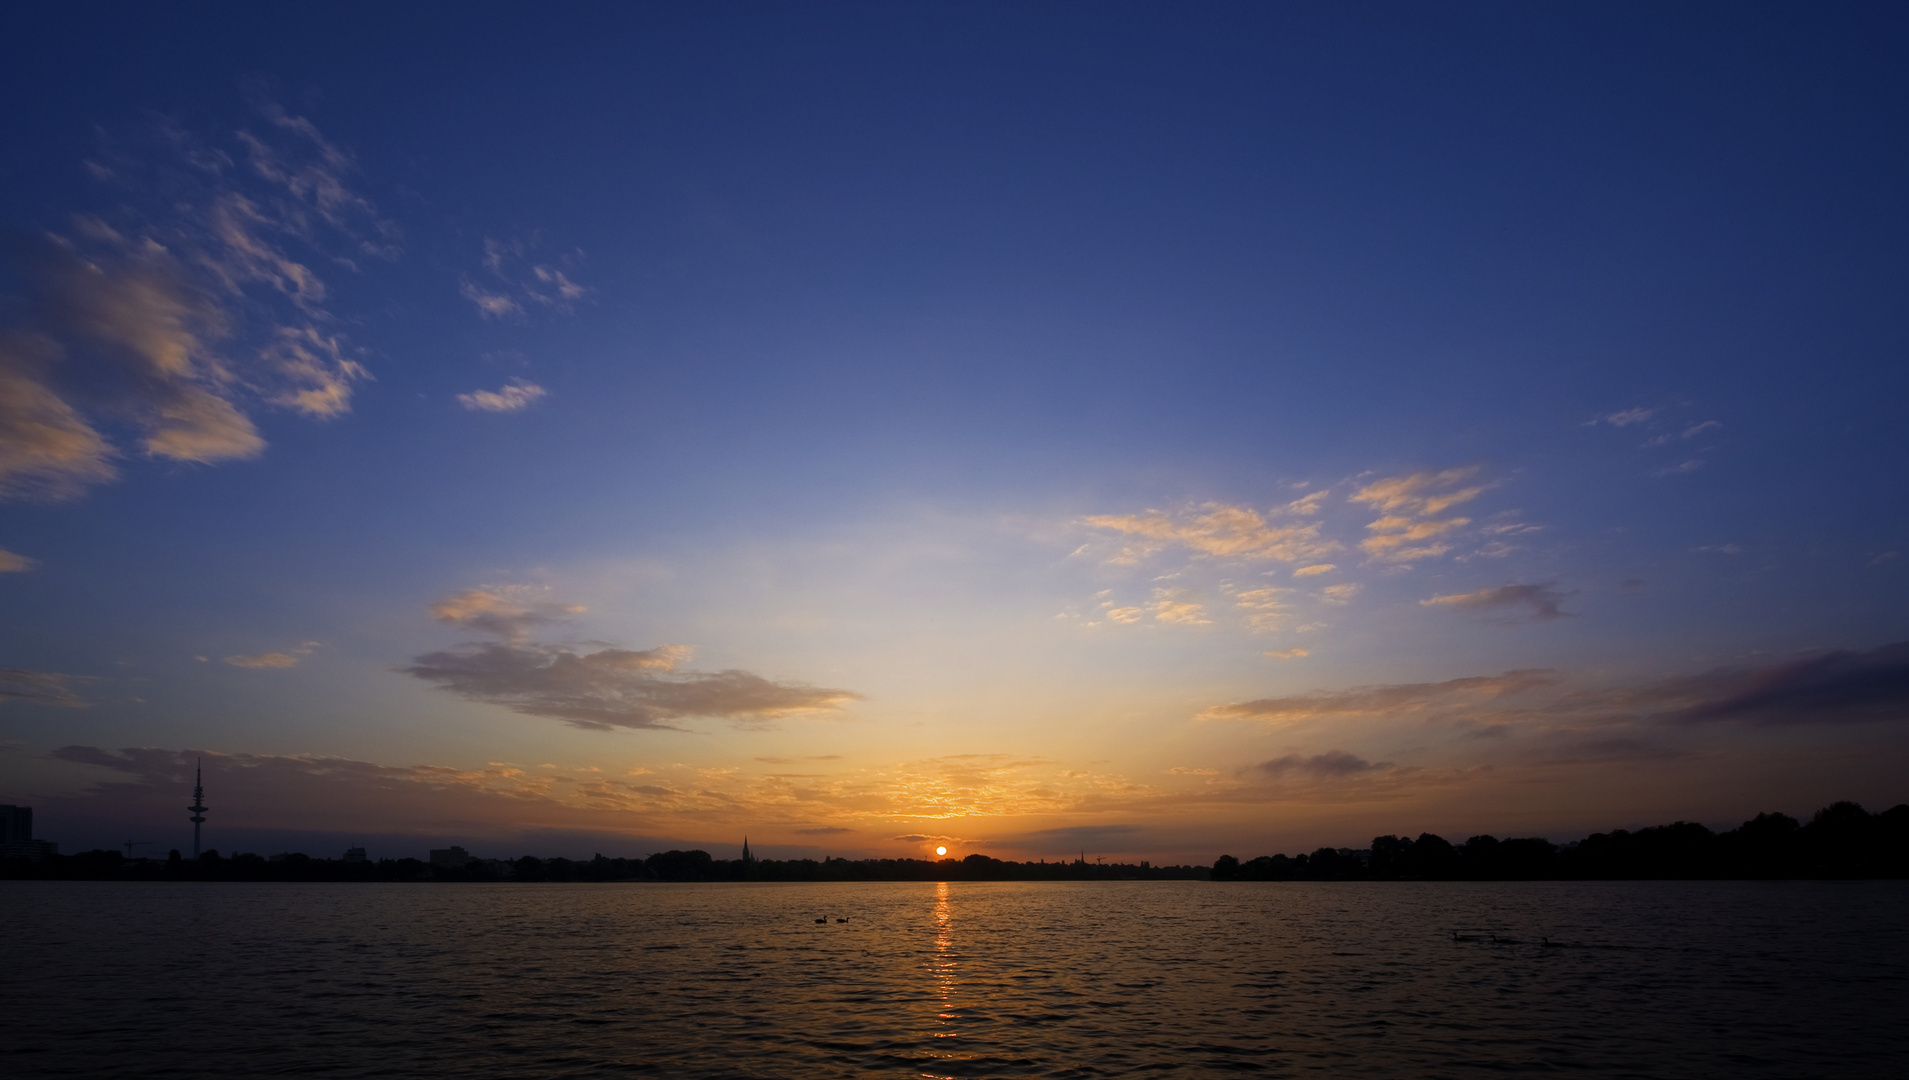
<point>1340,594</point>
<point>1839,686</point>
<point>1678,435</point>
<point>1834,687</point>
<point>1178,605</point>
<point>1265,608</point>
<point>507,611</point>
<point>28,687</point>
<point>11,563</point>
<point>1409,527</point>
<point>1383,700</point>
<point>287,659</point>
<point>517,280</point>
<point>1690,432</point>
<point>601,690</point>
<point>1220,530</point>
<point>491,305</point>
<point>512,396</point>
<point>166,328</point>
<point>1421,494</point>
<point>1687,466</point>
<point>1626,417</point>
<point>264,660</point>
<point>1540,602</point>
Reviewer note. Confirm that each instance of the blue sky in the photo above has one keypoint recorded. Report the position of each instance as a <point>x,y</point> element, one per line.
<point>1150,428</point>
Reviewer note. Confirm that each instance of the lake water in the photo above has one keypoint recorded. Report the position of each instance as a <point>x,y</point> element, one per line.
<point>1048,979</point>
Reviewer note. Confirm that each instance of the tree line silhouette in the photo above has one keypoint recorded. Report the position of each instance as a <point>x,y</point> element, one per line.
<point>1842,840</point>
<point>696,865</point>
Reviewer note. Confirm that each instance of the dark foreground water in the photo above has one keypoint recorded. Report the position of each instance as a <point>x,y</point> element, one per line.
<point>1665,979</point>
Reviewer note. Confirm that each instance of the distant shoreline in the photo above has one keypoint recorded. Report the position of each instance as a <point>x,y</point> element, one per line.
<point>1842,841</point>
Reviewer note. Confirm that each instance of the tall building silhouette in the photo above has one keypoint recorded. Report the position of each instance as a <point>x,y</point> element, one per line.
<point>198,804</point>
<point>16,836</point>
<point>16,824</point>
<point>746,857</point>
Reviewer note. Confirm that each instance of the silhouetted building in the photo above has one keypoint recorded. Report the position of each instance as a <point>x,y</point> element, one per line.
<point>356,854</point>
<point>16,836</point>
<point>198,805</point>
<point>453,857</point>
<point>16,824</point>
<point>747,859</point>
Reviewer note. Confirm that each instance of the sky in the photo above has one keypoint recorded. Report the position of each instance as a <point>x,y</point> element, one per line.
<point>1144,431</point>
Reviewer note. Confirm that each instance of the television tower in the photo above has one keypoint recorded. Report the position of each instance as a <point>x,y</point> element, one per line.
<point>198,806</point>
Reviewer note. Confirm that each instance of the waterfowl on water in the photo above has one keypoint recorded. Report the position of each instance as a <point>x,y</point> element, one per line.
<point>822,920</point>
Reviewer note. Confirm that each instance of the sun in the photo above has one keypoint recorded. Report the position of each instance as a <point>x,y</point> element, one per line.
<point>941,851</point>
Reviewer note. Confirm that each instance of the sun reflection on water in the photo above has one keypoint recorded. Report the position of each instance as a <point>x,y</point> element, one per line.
<point>941,968</point>
<point>943,964</point>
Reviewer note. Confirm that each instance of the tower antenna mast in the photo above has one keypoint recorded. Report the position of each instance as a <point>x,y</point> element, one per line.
<point>198,805</point>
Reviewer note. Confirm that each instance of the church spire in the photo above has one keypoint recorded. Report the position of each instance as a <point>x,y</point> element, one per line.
<point>746,857</point>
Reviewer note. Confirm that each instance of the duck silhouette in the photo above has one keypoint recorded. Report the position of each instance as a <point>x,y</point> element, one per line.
<point>823,919</point>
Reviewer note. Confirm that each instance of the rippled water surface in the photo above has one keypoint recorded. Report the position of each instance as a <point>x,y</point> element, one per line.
<point>1667,979</point>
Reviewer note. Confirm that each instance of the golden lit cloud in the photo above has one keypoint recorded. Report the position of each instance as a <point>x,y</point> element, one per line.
<point>11,563</point>
<point>1263,607</point>
<point>1407,529</point>
<point>1420,494</point>
<point>173,326</point>
<point>317,372</point>
<point>1216,530</point>
<point>1340,594</point>
<point>47,450</point>
<point>1176,605</point>
<point>1314,570</point>
<point>509,611</point>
